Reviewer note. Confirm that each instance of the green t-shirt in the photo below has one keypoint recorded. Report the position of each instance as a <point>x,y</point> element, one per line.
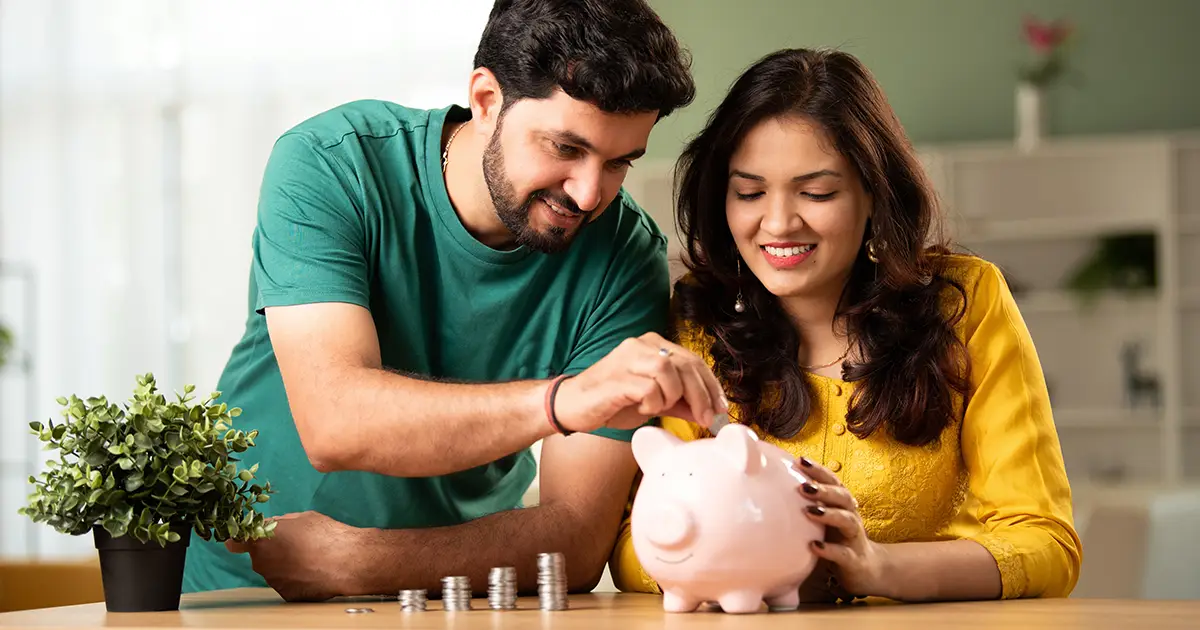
<point>353,208</point>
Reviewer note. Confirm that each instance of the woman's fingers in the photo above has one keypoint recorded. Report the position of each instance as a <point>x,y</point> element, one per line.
<point>815,472</point>
<point>830,495</point>
<point>846,522</point>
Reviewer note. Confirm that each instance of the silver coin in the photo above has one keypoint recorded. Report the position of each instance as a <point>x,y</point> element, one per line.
<point>412,600</point>
<point>357,611</point>
<point>502,588</point>
<point>552,581</point>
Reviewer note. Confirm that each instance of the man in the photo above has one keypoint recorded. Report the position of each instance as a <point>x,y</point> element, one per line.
<point>423,281</point>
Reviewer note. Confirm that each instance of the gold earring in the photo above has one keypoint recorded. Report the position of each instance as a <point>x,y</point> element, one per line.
<point>738,304</point>
<point>871,250</point>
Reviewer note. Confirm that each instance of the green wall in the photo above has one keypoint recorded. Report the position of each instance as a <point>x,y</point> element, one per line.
<point>948,66</point>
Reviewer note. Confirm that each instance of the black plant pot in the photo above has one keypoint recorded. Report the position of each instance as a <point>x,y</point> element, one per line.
<point>141,577</point>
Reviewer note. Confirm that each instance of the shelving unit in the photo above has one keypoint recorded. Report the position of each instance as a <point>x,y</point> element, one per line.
<point>1037,215</point>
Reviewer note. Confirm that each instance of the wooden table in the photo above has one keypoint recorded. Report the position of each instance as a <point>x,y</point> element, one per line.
<point>261,608</point>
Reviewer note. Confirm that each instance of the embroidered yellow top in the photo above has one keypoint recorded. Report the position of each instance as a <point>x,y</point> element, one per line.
<point>996,476</point>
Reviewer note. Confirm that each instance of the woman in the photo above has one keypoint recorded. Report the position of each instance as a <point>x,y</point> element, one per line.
<point>900,375</point>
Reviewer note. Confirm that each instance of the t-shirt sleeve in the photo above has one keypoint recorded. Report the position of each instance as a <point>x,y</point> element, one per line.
<point>635,300</point>
<point>310,237</point>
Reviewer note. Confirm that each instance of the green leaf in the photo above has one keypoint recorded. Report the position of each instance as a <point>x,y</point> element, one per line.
<point>116,527</point>
<point>180,473</point>
<point>172,537</point>
<point>233,526</point>
<point>142,442</point>
<point>125,463</point>
<point>62,401</point>
<point>96,457</point>
<point>246,475</point>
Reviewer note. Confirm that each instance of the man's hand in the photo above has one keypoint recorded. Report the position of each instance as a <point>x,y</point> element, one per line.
<point>642,377</point>
<point>306,560</point>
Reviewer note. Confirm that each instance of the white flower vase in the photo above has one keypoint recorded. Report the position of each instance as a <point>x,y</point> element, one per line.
<point>1030,115</point>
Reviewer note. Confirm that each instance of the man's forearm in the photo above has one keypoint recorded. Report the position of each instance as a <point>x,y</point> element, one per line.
<point>387,423</point>
<point>941,571</point>
<point>390,560</point>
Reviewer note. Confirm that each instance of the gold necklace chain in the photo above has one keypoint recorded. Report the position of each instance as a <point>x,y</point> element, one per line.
<point>830,364</point>
<point>446,151</point>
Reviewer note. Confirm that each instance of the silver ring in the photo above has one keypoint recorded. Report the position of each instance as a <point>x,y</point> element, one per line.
<point>663,352</point>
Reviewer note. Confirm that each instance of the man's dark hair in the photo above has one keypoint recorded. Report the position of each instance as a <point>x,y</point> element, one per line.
<point>616,54</point>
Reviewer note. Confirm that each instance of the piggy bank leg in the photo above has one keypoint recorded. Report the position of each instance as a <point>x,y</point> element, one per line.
<point>786,599</point>
<point>741,601</point>
<point>678,601</point>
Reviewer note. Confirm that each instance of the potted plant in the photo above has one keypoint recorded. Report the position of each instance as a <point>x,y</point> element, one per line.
<point>142,477</point>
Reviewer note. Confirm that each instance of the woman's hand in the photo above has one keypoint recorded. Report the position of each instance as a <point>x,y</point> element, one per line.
<point>860,565</point>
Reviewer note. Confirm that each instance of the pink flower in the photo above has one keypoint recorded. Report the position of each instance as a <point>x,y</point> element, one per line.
<point>1044,37</point>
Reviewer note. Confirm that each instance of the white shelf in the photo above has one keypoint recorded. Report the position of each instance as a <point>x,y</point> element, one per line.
<point>1064,302</point>
<point>1050,228</point>
<point>1108,418</point>
<point>1119,418</point>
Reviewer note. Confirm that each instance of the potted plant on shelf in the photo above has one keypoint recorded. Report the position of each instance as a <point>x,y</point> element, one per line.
<point>142,477</point>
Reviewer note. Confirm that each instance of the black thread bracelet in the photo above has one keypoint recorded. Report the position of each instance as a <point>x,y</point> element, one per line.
<point>550,395</point>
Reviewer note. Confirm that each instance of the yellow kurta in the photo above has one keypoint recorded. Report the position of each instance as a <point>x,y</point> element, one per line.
<point>996,476</point>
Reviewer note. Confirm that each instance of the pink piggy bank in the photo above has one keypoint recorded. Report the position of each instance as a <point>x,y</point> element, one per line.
<point>721,520</point>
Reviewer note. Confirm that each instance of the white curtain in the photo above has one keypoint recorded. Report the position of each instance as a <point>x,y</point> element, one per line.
<point>132,138</point>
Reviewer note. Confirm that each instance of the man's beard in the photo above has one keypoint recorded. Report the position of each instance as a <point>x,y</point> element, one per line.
<point>515,215</point>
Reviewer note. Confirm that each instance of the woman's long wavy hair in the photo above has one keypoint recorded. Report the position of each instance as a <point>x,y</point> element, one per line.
<point>897,311</point>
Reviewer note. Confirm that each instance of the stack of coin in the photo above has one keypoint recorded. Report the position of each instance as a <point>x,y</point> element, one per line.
<point>502,588</point>
<point>412,600</point>
<point>552,581</point>
<point>456,592</point>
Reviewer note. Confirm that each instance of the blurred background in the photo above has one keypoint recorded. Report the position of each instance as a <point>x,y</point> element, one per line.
<point>133,135</point>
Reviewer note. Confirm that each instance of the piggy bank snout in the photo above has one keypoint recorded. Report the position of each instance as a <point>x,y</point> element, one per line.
<point>671,526</point>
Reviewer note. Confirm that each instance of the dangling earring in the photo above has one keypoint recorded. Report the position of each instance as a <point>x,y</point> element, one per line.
<point>739,305</point>
<point>871,250</point>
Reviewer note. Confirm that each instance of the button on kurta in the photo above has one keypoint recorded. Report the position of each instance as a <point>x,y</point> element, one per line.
<point>839,429</point>
<point>835,465</point>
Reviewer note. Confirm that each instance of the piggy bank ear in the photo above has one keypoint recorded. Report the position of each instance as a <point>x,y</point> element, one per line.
<point>739,446</point>
<point>648,442</point>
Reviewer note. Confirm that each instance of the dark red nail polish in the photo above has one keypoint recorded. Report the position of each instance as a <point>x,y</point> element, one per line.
<point>806,462</point>
<point>819,544</point>
<point>808,488</point>
<point>816,509</point>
